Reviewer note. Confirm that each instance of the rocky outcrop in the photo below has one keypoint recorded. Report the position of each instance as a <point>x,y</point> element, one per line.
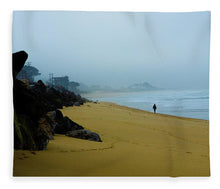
<point>32,127</point>
<point>67,125</point>
<point>27,111</point>
<point>76,104</point>
<point>18,60</point>
<point>84,134</point>
<point>36,117</point>
<point>55,98</point>
<point>46,126</point>
<point>64,125</point>
<point>60,124</point>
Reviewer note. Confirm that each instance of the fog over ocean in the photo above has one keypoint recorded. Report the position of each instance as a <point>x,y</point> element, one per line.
<point>118,49</point>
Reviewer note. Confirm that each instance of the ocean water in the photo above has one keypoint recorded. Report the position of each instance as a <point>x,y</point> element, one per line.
<point>184,103</point>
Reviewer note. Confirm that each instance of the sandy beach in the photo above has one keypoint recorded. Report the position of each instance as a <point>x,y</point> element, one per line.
<point>135,143</point>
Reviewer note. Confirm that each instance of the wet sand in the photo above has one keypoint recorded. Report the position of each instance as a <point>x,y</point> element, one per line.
<point>135,143</point>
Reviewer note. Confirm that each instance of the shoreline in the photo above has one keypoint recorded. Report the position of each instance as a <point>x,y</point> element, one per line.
<point>99,94</point>
<point>128,99</point>
<point>135,143</point>
<point>180,117</point>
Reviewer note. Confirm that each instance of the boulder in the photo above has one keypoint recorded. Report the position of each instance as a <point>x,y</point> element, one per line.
<point>41,139</point>
<point>39,88</point>
<point>26,83</point>
<point>23,132</point>
<point>51,115</point>
<point>27,102</point>
<point>84,134</point>
<point>59,116</point>
<point>18,61</point>
<point>77,103</point>
<point>46,126</point>
<point>66,125</point>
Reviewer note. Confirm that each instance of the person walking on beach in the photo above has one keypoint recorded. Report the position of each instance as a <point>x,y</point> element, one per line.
<point>155,108</point>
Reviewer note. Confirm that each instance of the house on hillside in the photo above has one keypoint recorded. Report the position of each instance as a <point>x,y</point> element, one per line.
<point>61,81</point>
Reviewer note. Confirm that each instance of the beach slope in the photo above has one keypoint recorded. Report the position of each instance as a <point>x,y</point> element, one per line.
<point>135,143</point>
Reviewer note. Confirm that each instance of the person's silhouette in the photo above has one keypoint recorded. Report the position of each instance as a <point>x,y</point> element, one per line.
<point>155,108</point>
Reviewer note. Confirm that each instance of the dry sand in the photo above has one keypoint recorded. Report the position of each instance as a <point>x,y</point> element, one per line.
<point>135,143</point>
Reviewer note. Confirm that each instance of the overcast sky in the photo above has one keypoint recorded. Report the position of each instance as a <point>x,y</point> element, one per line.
<point>168,50</point>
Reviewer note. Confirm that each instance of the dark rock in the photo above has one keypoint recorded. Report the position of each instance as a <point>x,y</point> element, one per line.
<point>26,83</point>
<point>28,103</point>
<point>32,101</point>
<point>18,61</point>
<point>77,104</point>
<point>51,118</point>
<point>71,125</point>
<point>27,111</point>
<point>39,88</point>
<point>23,132</point>
<point>67,125</point>
<point>28,135</point>
<point>84,134</point>
<point>51,115</point>
<point>54,97</point>
<point>59,116</point>
<point>41,139</point>
<point>45,125</point>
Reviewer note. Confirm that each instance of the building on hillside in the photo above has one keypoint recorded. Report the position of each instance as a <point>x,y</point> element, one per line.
<point>61,81</point>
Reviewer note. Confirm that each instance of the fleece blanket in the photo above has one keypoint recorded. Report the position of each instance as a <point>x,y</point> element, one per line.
<point>111,93</point>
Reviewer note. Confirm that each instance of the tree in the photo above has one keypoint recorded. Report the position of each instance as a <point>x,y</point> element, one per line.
<point>73,86</point>
<point>28,72</point>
